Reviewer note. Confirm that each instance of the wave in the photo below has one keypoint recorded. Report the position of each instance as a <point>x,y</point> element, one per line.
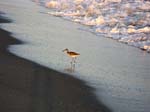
<point>126,21</point>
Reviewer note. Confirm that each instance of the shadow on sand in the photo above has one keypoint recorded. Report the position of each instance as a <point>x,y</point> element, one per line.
<point>28,87</point>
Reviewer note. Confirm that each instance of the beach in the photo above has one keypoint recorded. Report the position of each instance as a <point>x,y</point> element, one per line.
<point>28,87</point>
<point>34,71</point>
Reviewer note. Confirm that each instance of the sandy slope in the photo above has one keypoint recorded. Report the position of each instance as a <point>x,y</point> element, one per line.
<point>119,73</point>
<point>28,87</point>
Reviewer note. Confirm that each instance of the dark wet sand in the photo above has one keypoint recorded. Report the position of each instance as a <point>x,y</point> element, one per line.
<point>28,87</point>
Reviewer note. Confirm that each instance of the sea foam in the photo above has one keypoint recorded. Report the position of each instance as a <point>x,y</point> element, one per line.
<point>119,73</point>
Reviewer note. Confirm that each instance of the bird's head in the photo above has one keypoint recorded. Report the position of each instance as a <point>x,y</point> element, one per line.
<point>65,50</point>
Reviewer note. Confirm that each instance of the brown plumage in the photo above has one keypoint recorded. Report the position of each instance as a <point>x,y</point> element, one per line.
<point>70,53</point>
<point>73,56</point>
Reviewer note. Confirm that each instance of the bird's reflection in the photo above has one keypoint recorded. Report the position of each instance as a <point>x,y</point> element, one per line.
<point>71,68</point>
<point>73,56</point>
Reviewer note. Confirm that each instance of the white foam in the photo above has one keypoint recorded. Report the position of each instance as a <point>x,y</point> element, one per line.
<point>112,18</point>
<point>119,73</point>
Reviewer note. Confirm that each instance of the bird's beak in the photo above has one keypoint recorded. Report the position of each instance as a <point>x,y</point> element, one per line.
<point>64,50</point>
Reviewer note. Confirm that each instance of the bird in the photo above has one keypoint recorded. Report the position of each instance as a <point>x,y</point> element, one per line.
<point>71,54</point>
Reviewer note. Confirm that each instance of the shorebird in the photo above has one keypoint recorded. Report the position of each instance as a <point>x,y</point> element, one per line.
<point>71,54</point>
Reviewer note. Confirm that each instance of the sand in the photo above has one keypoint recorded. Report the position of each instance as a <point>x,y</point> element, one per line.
<point>118,73</point>
<point>28,87</point>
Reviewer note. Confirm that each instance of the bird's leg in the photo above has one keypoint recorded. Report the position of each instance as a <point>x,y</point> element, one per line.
<point>75,60</point>
<point>74,63</point>
<point>71,63</point>
<point>74,66</point>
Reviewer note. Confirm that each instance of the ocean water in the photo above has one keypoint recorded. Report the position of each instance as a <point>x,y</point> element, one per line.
<point>119,73</point>
<point>126,21</point>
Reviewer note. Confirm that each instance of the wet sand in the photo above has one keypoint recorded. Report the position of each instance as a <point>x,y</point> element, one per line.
<point>28,87</point>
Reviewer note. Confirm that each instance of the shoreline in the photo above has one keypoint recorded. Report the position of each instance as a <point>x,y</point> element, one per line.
<point>27,87</point>
<point>112,69</point>
<point>106,20</point>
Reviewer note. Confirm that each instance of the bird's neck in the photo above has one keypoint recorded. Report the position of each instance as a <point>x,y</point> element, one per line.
<point>67,51</point>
